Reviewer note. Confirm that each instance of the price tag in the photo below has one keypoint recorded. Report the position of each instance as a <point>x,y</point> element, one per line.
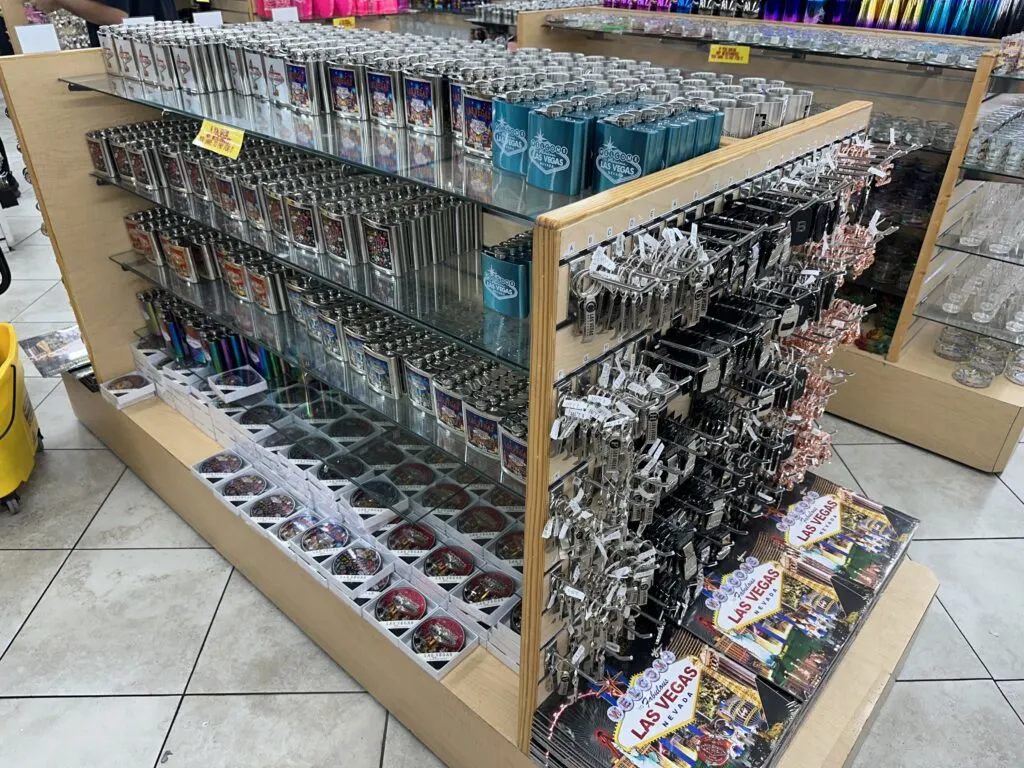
<point>291,13</point>
<point>208,19</point>
<point>220,139</point>
<point>348,22</point>
<point>729,54</point>
<point>130,21</point>
<point>37,38</point>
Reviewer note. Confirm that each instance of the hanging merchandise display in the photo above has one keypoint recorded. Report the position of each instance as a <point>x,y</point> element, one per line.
<point>692,513</point>
<point>500,372</point>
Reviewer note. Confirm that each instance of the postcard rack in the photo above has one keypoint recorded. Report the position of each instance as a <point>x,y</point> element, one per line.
<point>481,708</point>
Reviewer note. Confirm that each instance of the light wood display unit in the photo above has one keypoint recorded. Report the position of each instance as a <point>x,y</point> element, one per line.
<point>481,710</point>
<point>907,393</point>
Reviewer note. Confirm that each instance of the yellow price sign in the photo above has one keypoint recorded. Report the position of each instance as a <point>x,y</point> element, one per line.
<point>729,54</point>
<point>221,139</point>
<point>348,22</point>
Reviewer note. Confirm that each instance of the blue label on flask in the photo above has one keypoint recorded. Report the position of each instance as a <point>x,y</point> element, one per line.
<point>477,126</point>
<point>299,86</point>
<point>382,96</point>
<point>419,101</point>
<point>344,96</point>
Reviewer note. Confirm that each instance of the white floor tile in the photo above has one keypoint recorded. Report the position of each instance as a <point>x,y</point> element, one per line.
<point>21,295</point>
<point>403,750</point>
<point>133,516</point>
<point>39,389</point>
<point>300,731</point>
<point>117,622</point>
<point>59,425</point>
<point>940,651</point>
<point>24,226</point>
<point>23,577</point>
<point>52,306</point>
<point>944,725</point>
<point>60,498</point>
<point>951,500</point>
<point>33,262</point>
<point>254,648</point>
<point>1014,692</point>
<point>84,732</point>
<point>981,585</point>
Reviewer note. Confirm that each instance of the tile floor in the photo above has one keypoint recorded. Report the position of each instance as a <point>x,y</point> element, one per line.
<point>120,628</point>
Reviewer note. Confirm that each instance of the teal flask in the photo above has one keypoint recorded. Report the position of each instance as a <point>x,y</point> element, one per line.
<point>626,150</point>
<point>511,124</point>
<point>557,149</point>
<point>506,281</point>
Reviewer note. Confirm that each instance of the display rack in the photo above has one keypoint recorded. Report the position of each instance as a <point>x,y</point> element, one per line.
<point>906,393</point>
<point>481,708</point>
<point>914,396</point>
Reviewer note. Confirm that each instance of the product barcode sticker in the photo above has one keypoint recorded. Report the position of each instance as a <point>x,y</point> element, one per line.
<point>221,139</point>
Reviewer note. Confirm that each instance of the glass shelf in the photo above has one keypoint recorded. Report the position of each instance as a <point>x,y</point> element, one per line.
<point>433,161</point>
<point>446,298</point>
<point>828,42</point>
<point>973,173</point>
<point>289,339</point>
<point>931,309</point>
<point>950,240</point>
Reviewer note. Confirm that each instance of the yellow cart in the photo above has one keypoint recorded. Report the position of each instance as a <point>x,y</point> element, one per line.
<point>19,430</point>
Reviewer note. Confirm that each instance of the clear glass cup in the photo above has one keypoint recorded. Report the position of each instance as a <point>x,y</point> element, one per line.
<point>970,375</point>
<point>1015,367</point>
<point>990,354</point>
<point>954,344</point>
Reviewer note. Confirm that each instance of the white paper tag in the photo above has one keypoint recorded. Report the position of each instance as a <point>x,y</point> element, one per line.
<point>130,21</point>
<point>579,655</point>
<point>637,389</point>
<point>556,428</point>
<point>291,13</point>
<point>37,38</point>
<point>208,18</point>
<point>873,224</point>
<point>606,373</point>
<point>574,593</point>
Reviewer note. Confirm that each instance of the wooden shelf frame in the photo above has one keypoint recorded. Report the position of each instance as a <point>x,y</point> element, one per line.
<point>480,708</point>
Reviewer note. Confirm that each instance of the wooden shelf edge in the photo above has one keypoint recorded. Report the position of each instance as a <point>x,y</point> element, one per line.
<point>842,713</point>
<point>471,711</point>
<point>916,400</point>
